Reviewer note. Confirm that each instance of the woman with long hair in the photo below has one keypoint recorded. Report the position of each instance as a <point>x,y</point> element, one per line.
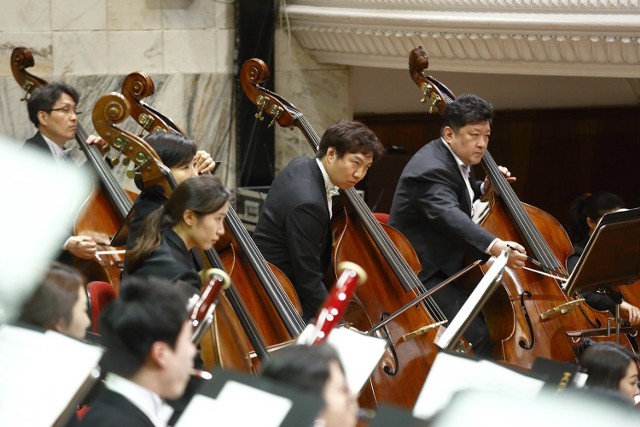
<point>193,217</point>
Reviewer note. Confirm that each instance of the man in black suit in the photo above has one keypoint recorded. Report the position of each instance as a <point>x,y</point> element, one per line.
<point>149,359</point>
<point>294,231</point>
<point>53,111</point>
<point>433,203</point>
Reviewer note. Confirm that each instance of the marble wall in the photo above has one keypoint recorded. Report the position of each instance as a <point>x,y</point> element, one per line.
<point>321,92</point>
<point>187,48</point>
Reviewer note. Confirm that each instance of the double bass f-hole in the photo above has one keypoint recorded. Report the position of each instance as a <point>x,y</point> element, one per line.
<point>522,343</point>
<point>390,366</point>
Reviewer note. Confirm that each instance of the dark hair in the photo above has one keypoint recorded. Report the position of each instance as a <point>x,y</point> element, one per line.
<point>350,137</point>
<point>148,310</point>
<point>43,99</point>
<point>590,205</point>
<point>466,109</point>
<point>203,194</point>
<point>54,298</point>
<point>306,368</point>
<point>606,364</point>
<point>174,149</point>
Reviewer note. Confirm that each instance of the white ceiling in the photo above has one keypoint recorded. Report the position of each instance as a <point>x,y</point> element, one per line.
<point>383,90</point>
<point>518,53</point>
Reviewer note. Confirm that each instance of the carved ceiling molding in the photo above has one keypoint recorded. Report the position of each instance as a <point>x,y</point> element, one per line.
<point>571,6</point>
<point>570,37</point>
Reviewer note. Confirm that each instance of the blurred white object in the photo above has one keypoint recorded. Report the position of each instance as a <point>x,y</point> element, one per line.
<point>40,200</point>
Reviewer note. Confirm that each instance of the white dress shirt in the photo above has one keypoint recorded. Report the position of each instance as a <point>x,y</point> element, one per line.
<point>144,399</point>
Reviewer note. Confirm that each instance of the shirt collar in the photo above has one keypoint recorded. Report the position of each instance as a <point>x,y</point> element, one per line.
<point>457,159</point>
<point>57,150</point>
<point>144,399</point>
<point>464,169</point>
<point>329,187</point>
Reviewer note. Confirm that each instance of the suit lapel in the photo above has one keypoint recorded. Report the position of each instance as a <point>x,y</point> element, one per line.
<point>461,187</point>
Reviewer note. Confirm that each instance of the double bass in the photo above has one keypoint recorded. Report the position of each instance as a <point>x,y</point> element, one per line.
<point>229,347</point>
<point>105,210</point>
<point>530,316</point>
<point>382,252</point>
<point>280,321</point>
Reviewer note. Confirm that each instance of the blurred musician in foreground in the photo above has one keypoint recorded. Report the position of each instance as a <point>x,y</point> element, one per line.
<point>432,207</point>
<point>316,369</point>
<point>585,213</point>
<point>611,368</point>
<point>181,155</point>
<point>59,303</point>
<point>150,357</point>
<point>53,109</point>
<point>294,230</point>
<point>193,217</point>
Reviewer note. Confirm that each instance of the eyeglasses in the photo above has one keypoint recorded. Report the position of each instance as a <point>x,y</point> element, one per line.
<point>67,111</point>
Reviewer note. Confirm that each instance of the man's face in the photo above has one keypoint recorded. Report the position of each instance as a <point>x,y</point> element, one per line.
<point>179,364</point>
<point>348,170</point>
<point>470,142</point>
<point>59,124</point>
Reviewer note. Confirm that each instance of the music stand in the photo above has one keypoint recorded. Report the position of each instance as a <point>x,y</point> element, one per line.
<point>472,306</point>
<point>610,258</point>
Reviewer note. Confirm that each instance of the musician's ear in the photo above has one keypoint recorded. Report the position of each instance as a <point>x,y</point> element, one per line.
<point>42,118</point>
<point>188,216</point>
<point>447,134</point>
<point>331,153</point>
<point>591,223</point>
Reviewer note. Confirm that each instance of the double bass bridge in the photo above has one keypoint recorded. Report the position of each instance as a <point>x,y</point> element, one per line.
<point>423,330</point>
<point>561,309</point>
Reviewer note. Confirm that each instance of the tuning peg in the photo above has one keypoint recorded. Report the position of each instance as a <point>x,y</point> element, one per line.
<point>115,161</point>
<point>130,173</point>
<point>126,161</point>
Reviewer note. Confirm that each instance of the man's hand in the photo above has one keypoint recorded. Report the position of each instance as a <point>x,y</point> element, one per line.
<point>486,186</point>
<point>517,255</point>
<point>94,139</point>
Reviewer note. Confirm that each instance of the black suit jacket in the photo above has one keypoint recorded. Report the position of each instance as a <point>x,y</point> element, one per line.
<point>171,260</point>
<point>432,208</point>
<point>111,409</point>
<point>37,141</point>
<point>294,230</point>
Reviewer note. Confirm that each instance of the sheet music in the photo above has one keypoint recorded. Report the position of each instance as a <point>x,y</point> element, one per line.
<point>358,353</point>
<point>43,371</point>
<point>230,408</point>
<point>450,374</point>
